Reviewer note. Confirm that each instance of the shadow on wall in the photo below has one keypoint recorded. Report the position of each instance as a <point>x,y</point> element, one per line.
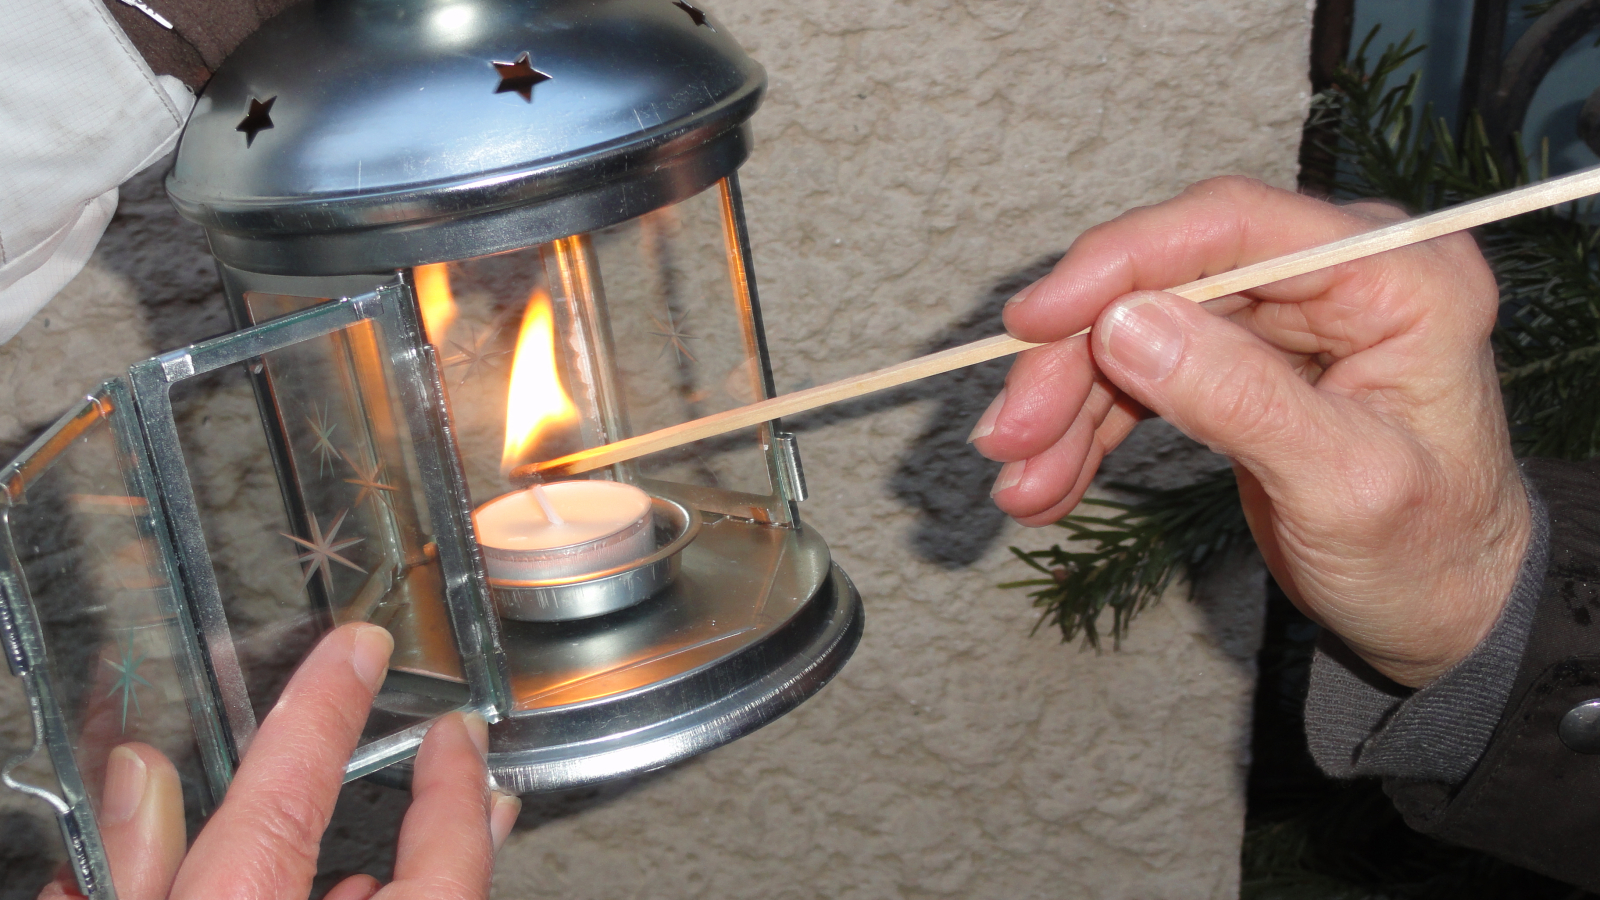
<point>945,480</point>
<point>939,474</point>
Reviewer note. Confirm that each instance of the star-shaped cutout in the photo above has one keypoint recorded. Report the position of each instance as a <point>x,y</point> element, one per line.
<point>477,357</point>
<point>697,15</point>
<point>323,550</point>
<point>519,76</point>
<point>673,336</point>
<point>258,120</point>
<point>128,678</point>
<point>370,480</point>
<point>323,429</point>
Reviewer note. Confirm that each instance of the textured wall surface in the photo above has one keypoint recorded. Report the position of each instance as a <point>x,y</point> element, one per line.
<point>917,161</point>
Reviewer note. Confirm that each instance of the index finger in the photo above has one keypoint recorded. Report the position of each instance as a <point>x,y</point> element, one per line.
<point>1212,227</point>
<point>264,839</point>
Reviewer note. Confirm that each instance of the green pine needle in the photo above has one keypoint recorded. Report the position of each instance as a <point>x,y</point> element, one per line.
<point>1134,554</point>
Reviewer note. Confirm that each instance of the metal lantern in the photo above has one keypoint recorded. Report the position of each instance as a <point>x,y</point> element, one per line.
<point>456,237</point>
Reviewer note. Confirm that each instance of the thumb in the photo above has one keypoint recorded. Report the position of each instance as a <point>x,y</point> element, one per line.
<point>1215,381</point>
<point>141,821</point>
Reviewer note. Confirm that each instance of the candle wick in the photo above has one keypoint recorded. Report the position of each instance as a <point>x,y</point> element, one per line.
<point>545,504</point>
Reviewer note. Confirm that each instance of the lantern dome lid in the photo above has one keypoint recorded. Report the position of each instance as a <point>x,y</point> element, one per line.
<point>363,135</point>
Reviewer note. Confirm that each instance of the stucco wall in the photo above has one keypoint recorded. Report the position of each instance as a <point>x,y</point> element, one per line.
<point>916,161</point>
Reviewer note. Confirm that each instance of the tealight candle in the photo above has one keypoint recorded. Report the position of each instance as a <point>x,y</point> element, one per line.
<point>564,529</point>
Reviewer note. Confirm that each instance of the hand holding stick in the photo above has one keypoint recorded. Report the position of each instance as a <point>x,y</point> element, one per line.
<point>1411,231</point>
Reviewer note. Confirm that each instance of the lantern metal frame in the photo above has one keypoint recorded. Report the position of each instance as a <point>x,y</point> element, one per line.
<point>334,198</point>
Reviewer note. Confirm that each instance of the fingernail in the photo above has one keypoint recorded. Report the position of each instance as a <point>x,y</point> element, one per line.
<point>1023,294</point>
<point>370,655</point>
<point>126,777</point>
<point>1144,338</point>
<point>478,730</point>
<point>502,816</point>
<point>1010,474</point>
<point>985,426</point>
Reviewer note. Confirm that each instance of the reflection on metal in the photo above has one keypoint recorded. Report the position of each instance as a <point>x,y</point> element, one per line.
<point>791,477</point>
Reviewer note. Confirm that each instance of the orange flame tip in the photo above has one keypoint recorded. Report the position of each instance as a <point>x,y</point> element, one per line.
<point>535,400</point>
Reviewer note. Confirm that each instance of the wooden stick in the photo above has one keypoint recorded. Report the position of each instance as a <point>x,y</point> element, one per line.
<point>1401,234</point>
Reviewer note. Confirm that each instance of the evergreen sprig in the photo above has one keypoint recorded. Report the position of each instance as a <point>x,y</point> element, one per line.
<point>1134,554</point>
<point>1547,343</point>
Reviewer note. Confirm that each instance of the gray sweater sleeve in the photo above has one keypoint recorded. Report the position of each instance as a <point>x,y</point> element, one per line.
<point>1360,723</point>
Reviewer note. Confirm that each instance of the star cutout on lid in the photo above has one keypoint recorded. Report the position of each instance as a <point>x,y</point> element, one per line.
<point>323,550</point>
<point>258,120</point>
<point>519,76</point>
<point>696,14</point>
<point>128,678</point>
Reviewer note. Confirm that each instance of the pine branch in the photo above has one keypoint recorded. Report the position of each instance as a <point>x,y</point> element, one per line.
<point>1134,554</point>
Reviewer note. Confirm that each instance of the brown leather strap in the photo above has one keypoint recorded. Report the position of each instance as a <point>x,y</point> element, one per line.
<point>203,32</point>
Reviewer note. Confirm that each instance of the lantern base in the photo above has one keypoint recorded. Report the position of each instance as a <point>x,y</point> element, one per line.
<point>712,706</point>
<point>757,620</point>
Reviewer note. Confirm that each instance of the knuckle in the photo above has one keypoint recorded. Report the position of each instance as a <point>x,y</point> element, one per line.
<point>1101,234</point>
<point>1459,254</point>
<point>1233,189</point>
<point>1378,210</point>
<point>1379,490</point>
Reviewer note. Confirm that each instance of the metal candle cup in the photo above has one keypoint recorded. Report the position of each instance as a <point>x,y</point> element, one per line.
<point>599,525</point>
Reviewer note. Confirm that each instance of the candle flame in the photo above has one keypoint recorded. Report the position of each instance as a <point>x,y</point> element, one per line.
<point>535,400</point>
<point>433,296</point>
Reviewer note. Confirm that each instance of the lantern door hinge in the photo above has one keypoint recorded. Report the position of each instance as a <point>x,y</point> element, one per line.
<point>789,469</point>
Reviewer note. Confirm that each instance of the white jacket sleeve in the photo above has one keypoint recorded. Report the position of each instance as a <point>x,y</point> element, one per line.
<point>80,112</point>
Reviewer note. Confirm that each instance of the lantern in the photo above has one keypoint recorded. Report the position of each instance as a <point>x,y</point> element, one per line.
<point>456,237</point>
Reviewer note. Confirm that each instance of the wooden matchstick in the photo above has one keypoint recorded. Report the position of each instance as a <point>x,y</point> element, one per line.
<point>1401,234</point>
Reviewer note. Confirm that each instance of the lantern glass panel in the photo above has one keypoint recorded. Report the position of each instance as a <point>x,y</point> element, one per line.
<point>356,543</point>
<point>683,345</point>
<point>91,592</point>
<point>644,324</point>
